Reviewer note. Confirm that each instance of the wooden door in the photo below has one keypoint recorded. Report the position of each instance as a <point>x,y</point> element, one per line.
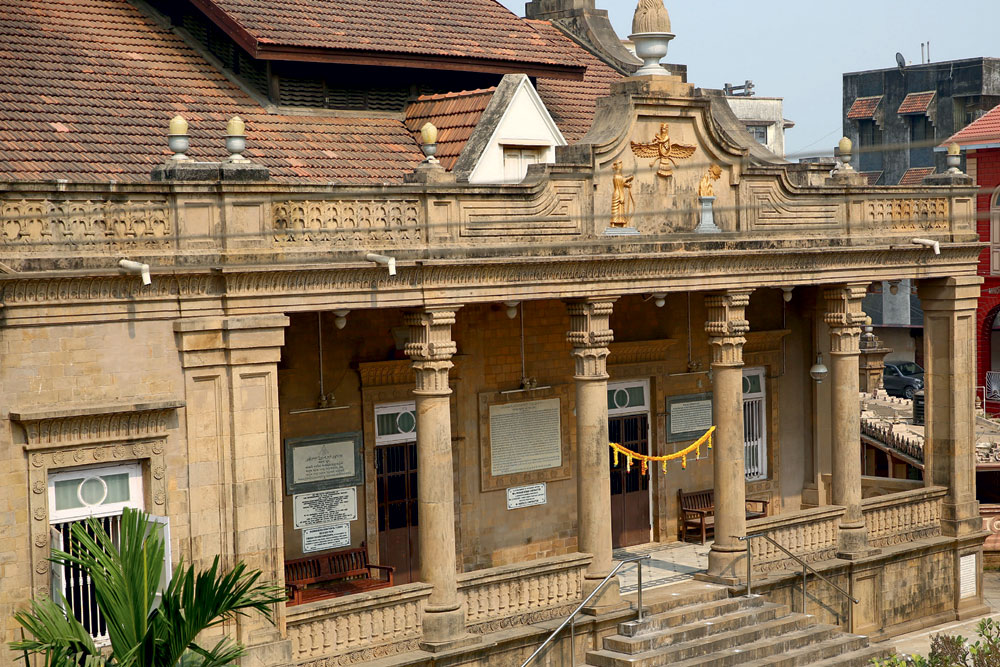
<point>629,489</point>
<point>396,477</point>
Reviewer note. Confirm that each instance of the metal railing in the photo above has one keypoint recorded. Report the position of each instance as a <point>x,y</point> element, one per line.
<point>805,570</point>
<point>571,619</point>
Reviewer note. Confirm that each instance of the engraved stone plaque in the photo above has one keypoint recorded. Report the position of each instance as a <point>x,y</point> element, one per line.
<point>525,436</point>
<point>967,576</point>
<point>324,538</point>
<point>689,416</point>
<point>322,508</point>
<point>526,496</point>
<point>323,462</point>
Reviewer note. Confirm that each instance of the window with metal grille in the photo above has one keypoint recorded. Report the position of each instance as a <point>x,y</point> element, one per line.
<point>754,424</point>
<point>100,492</point>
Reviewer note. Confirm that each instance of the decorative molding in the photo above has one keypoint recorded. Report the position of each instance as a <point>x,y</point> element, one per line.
<point>96,424</point>
<point>844,316</point>
<point>727,325</point>
<point>431,349</point>
<point>764,341</point>
<point>590,334</point>
<point>387,373</point>
<point>114,225</point>
<point>909,214</point>
<point>26,291</point>
<point>306,221</point>
<point>556,210</point>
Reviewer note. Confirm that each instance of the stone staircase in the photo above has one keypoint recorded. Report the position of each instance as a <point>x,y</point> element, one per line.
<point>699,624</point>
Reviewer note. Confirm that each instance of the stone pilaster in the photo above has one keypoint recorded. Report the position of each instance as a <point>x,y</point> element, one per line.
<point>949,375</point>
<point>726,327</point>
<point>590,334</point>
<point>431,349</point>
<point>845,317</point>
<point>233,482</point>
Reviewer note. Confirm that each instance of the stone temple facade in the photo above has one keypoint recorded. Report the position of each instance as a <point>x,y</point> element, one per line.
<point>433,370</point>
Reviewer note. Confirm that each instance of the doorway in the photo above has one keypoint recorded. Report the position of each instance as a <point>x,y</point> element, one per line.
<point>628,425</point>
<point>396,480</point>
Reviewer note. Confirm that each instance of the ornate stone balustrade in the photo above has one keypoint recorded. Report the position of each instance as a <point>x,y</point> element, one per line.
<point>357,628</point>
<point>903,517</point>
<point>511,595</point>
<point>809,534</point>
<point>34,222</point>
<point>394,220</point>
<point>905,214</point>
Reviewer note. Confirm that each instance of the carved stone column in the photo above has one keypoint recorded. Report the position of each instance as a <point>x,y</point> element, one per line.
<point>590,334</point>
<point>726,327</point>
<point>845,317</point>
<point>431,349</point>
<point>949,356</point>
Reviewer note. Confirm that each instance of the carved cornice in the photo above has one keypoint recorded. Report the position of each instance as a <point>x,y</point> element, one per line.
<point>639,351</point>
<point>764,341</point>
<point>727,325</point>
<point>107,288</point>
<point>386,373</point>
<point>96,424</point>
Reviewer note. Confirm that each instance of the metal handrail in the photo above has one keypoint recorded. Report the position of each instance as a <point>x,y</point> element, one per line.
<point>805,568</point>
<point>571,619</point>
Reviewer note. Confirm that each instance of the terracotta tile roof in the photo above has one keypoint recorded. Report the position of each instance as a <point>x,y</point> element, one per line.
<point>476,29</point>
<point>872,176</point>
<point>89,86</point>
<point>916,175</point>
<point>455,115</point>
<point>864,108</point>
<point>572,103</point>
<point>917,102</point>
<point>983,132</point>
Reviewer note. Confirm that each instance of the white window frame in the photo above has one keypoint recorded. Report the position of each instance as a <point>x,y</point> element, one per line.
<point>395,408</point>
<point>135,500</point>
<point>632,409</point>
<point>538,152</point>
<point>760,396</point>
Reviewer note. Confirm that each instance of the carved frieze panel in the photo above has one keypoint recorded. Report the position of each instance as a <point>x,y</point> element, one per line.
<point>555,212</point>
<point>133,223</point>
<point>393,220</point>
<point>770,207</point>
<point>908,214</point>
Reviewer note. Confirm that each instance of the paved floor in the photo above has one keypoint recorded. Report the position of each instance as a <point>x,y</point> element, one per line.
<point>676,562</point>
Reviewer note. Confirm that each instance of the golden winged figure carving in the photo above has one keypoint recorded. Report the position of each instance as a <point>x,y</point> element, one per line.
<point>665,152</point>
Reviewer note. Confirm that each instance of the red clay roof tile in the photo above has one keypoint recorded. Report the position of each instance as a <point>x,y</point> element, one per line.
<point>455,115</point>
<point>917,102</point>
<point>864,108</point>
<point>916,175</point>
<point>872,176</point>
<point>982,132</point>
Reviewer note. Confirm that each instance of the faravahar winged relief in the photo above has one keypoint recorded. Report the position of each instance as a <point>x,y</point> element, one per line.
<point>665,152</point>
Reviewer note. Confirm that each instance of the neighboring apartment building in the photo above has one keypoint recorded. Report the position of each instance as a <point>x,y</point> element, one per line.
<point>764,120</point>
<point>896,116</point>
<point>980,143</point>
<point>341,347</point>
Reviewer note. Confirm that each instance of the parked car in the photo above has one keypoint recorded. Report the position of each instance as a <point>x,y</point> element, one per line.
<point>902,378</point>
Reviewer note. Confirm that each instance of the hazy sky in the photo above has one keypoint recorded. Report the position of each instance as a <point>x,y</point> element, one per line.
<point>798,49</point>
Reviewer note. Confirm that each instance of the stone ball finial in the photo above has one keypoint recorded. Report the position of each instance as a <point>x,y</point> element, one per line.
<point>846,146</point>
<point>954,149</point>
<point>428,134</point>
<point>650,16</point>
<point>178,126</point>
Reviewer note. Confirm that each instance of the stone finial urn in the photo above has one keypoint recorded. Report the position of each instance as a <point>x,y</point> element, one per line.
<point>651,36</point>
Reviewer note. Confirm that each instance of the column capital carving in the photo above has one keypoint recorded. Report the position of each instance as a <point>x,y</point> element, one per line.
<point>590,334</point>
<point>845,316</point>
<point>727,326</point>
<point>431,348</point>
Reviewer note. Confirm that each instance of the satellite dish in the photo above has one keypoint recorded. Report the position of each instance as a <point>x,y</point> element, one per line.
<point>900,61</point>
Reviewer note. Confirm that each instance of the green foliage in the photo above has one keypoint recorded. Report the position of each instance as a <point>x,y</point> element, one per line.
<point>145,631</point>
<point>956,651</point>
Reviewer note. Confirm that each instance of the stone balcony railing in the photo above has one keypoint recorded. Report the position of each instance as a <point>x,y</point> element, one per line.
<point>891,519</point>
<point>159,218</point>
<point>368,626</point>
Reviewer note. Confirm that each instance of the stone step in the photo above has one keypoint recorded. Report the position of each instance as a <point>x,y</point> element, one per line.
<point>668,598</point>
<point>697,629</point>
<point>688,614</point>
<point>811,654</point>
<point>796,626</point>
<point>765,648</point>
<point>860,658</point>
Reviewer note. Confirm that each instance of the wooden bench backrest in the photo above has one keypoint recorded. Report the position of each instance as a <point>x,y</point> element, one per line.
<point>698,500</point>
<point>344,564</point>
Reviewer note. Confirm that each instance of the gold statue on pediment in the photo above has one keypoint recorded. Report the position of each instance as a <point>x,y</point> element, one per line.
<point>622,202</point>
<point>705,187</point>
<point>665,152</point>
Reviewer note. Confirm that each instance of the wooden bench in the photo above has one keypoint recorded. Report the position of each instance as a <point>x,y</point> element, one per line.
<point>334,574</point>
<point>697,512</point>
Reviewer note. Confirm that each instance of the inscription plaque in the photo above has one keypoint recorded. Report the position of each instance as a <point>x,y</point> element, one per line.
<point>526,496</point>
<point>322,508</point>
<point>324,538</point>
<point>688,416</point>
<point>323,462</point>
<point>967,576</point>
<point>525,436</point>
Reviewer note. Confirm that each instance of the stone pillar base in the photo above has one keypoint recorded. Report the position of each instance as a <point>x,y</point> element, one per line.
<point>727,564</point>
<point>607,601</point>
<point>272,654</point>
<point>852,542</point>
<point>960,519</point>
<point>445,629</point>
